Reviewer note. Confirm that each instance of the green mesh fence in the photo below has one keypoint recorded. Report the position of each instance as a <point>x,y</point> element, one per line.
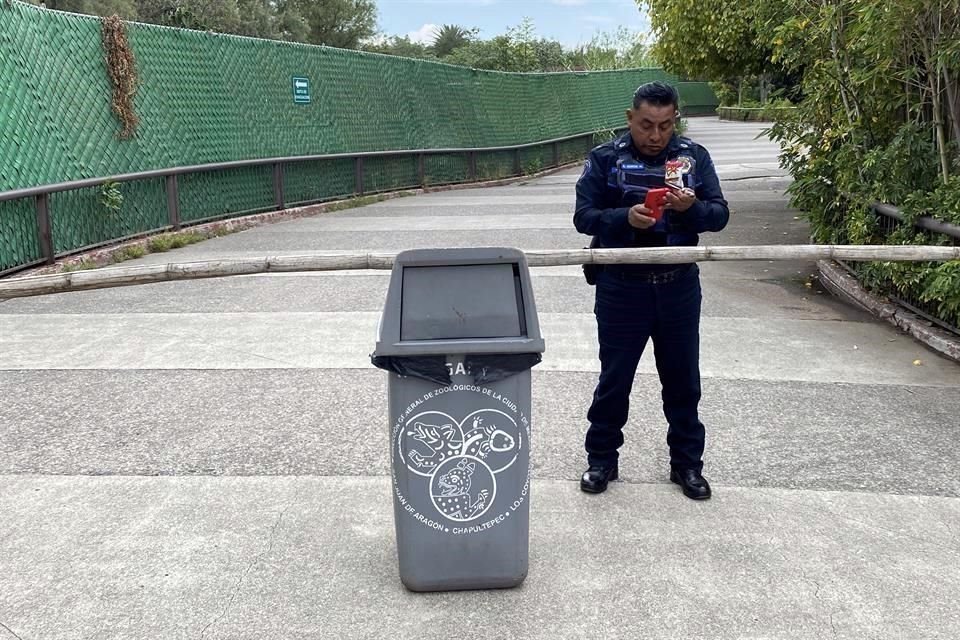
<point>389,173</point>
<point>80,218</point>
<point>446,168</point>
<point>206,98</point>
<point>19,236</point>
<point>495,164</point>
<point>316,180</point>
<point>214,194</point>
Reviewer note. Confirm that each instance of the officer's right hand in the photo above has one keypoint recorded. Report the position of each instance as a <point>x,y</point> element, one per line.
<point>638,218</point>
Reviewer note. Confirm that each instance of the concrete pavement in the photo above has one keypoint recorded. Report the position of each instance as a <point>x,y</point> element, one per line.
<point>209,459</point>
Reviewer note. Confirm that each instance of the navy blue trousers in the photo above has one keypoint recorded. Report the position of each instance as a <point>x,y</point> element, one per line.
<point>629,312</point>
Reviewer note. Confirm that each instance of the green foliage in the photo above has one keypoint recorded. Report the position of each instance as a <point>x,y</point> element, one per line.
<point>707,39</point>
<point>111,198</point>
<point>128,253</point>
<point>533,165</point>
<point>879,121</point>
<point>521,50</point>
<point>517,50</point>
<point>170,241</point>
<point>449,38</point>
<point>126,9</point>
<point>941,285</point>
<point>336,23</point>
<point>83,265</point>
<point>399,46</point>
<point>876,86</point>
<point>619,49</point>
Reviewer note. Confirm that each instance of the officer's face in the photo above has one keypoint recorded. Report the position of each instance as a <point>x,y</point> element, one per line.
<point>651,127</point>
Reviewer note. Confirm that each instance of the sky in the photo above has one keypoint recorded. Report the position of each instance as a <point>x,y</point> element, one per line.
<point>571,22</point>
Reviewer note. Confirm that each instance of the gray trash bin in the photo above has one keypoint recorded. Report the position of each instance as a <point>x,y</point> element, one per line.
<point>459,334</point>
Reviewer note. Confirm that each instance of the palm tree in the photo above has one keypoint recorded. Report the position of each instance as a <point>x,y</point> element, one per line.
<point>449,37</point>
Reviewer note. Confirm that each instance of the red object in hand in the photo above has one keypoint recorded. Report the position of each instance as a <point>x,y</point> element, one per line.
<point>654,201</point>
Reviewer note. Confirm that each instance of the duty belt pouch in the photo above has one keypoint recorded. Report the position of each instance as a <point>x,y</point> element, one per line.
<point>591,271</point>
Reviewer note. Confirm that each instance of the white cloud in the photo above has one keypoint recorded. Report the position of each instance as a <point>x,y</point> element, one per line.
<point>424,34</point>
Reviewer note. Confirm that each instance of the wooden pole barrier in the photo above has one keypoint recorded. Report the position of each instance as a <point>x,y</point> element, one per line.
<point>147,274</point>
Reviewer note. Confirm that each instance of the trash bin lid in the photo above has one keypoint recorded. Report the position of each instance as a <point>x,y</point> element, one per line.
<point>467,300</point>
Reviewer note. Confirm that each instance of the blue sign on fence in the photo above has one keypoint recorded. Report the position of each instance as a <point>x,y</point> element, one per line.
<point>301,90</point>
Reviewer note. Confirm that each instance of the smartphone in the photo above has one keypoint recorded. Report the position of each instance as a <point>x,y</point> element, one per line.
<point>655,200</point>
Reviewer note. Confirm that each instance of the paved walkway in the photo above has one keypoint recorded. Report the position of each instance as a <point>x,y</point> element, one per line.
<point>209,459</point>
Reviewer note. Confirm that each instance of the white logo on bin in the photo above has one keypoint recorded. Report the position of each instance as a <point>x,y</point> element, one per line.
<point>460,459</point>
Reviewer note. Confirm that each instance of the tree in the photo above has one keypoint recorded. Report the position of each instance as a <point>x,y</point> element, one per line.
<point>517,50</point>
<point>126,9</point>
<point>711,40</point>
<point>258,19</point>
<point>449,37</point>
<point>221,16</point>
<point>878,120</point>
<point>401,46</point>
<point>619,49</point>
<point>335,23</point>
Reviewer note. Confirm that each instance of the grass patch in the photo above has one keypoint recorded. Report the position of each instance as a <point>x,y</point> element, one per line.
<point>170,241</point>
<point>128,253</point>
<point>79,266</point>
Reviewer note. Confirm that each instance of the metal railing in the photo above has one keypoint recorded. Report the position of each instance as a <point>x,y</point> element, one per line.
<point>558,152</point>
<point>890,219</point>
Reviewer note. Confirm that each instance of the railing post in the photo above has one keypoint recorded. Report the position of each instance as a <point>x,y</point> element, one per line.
<point>517,169</point>
<point>422,170</point>
<point>471,165</point>
<point>556,154</point>
<point>358,176</point>
<point>173,202</point>
<point>278,194</point>
<point>43,226</point>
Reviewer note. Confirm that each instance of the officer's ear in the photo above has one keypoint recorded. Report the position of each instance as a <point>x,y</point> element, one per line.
<point>629,115</point>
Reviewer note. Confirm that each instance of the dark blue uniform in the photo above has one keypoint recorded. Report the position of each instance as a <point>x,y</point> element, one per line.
<point>637,302</point>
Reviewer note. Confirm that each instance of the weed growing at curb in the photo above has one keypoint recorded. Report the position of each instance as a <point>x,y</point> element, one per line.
<point>128,253</point>
<point>170,241</point>
<point>79,266</point>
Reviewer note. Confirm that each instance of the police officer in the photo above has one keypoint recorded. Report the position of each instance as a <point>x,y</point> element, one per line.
<point>637,302</point>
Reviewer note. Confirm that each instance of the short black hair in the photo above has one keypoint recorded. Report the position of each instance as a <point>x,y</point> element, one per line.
<point>657,93</point>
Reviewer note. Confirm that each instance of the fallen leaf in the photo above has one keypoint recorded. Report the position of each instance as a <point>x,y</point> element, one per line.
<point>918,363</point>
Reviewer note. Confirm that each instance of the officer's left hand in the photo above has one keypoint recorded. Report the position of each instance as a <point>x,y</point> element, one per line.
<point>680,200</point>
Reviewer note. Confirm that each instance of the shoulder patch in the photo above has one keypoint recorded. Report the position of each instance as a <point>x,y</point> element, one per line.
<point>586,169</point>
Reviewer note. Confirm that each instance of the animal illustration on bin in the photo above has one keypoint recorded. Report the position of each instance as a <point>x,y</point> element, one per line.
<point>461,459</point>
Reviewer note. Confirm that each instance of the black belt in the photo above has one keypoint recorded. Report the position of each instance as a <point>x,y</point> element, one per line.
<point>650,277</point>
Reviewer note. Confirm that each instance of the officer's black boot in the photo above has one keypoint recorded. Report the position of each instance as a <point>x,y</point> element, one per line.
<point>596,477</point>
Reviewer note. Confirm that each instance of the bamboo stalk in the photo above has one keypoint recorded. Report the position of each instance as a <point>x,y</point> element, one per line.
<point>146,274</point>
